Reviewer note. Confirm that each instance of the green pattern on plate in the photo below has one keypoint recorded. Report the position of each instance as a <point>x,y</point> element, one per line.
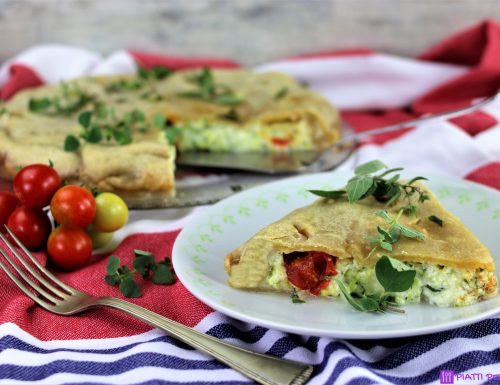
<point>200,249</point>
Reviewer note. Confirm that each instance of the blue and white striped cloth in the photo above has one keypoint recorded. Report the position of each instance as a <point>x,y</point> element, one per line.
<point>154,358</point>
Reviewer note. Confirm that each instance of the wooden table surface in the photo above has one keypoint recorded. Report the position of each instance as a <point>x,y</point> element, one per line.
<point>250,31</point>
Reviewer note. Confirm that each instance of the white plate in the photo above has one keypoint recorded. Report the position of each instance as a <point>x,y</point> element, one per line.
<point>198,259</point>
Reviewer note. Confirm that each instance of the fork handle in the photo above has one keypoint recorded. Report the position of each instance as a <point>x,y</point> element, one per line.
<point>262,368</point>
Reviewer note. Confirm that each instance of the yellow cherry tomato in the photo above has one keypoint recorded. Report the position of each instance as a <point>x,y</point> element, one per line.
<point>111,213</point>
<point>99,239</point>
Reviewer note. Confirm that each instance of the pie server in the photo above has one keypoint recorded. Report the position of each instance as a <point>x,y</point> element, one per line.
<point>306,161</point>
<point>236,172</point>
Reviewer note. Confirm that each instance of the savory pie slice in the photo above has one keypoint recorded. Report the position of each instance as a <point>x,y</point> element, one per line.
<point>330,238</point>
<point>128,139</point>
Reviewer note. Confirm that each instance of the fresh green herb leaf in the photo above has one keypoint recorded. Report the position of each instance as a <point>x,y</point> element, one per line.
<point>411,233</point>
<point>84,119</point>
<point>93,134</point>
<point>122,136</point>
<point>347,295</point>
<point>390,171</point>
<point>395,233</point>
<point>382,187</point>
<point>121,277</point>
<point>171,133</point>
<point>162,273</point>
<point>124,84</point>
<point>142,72</point>
<point>436,220</point>
<point>143,262</point>
<point>434,290</point>
<point>159,72</point>
<point>159,121</point>
<point>415,179</point>
<point>387,235</point>
<point>357,187</point>
<point>391,279</point>
<point>113,265</point>
<point>281,93</point>
<point>369,168</point>
<point>295,297</point>
<point>209,91</point>
<point>385,239</point>
<point>227,100</point>
<point>365,303</point>
<point>190,94</point>
<point>370,304</point>
<point>332,194</point>
<point>39,105</point>
<point>385,216</point>
<point>71,143</point>
<point>129,287</point>
<point>410,210</point>
<point>404,230</point>
<point>112,280</point>
<point>231,114</point>
<point>206,82</point>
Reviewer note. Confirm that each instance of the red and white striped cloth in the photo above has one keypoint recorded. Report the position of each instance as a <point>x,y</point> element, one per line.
<point>371,89</point>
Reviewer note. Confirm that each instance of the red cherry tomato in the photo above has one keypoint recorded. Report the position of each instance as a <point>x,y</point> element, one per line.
<point>69,248</point>
<point>31,226</point>
<point>35,185</point>
<point>73,207</point>
<point>8,203</point>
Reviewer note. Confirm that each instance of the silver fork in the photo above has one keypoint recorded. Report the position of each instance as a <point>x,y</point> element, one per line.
<point>57,297</point>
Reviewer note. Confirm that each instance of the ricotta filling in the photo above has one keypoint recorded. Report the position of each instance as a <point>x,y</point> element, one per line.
<point>220,136</point>
<point>435,284</point>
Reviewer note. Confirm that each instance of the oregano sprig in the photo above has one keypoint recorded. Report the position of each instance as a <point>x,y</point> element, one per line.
<point>210,91</point>
<point>70,99</point>
<point>145,79</point>
<point>145,265</point>
<point>101,124</point>
<point>385,187</point>
<point>393,276</point>
<point>122,277</point>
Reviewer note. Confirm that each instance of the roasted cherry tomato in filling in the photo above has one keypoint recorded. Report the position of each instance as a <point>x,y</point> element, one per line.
<point>307,270</point>
<point>73,207</point>
<point>30,226</point>
<point>35,185</point>
<point>69,248</point>
<point>111,214</point>
<point>8,203</point>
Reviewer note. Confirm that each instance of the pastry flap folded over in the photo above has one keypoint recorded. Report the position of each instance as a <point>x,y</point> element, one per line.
<point>339,228</point>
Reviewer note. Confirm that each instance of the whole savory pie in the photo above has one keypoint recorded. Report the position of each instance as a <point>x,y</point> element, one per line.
<point>335,247</point>
<point>121,133</point>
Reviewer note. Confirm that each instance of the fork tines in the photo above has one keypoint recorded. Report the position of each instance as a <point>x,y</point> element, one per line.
<point>49,288</point>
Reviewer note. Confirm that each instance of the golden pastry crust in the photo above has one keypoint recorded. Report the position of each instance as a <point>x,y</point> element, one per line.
<point>339,228</point>
<point>147,164</point>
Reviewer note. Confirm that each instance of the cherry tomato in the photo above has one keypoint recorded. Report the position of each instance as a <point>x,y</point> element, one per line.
<point>111,214</point>
<point>73,207</point>
<point>35,185</point>
<point>99,238</point>
<point>305,271</point>
<point>31,226</point>
<point>8,203</point>
<point>69,248</point>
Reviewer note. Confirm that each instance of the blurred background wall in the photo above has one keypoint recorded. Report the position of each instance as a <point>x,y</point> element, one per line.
<point>249,31</point>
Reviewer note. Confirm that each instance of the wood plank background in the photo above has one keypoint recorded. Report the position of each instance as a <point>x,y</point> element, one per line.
<point>250,31</point>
